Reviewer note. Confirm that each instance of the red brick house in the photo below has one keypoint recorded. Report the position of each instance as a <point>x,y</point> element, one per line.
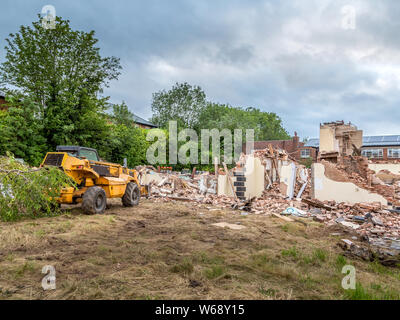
<point>385,147</point>
<point>3,103</point>
<point>295,148</point>
<point>142,123</point>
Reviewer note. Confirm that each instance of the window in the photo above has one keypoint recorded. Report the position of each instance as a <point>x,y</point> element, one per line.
<point>88,154</point>
<point>372,153</point>
<point>305,153</point>
<point>394,153</point>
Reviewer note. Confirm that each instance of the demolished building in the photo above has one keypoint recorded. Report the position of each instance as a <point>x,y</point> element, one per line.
<point>338,139</point>
<point>342,188</point>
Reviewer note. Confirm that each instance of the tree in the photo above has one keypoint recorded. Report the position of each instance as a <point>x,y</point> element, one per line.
<point>122,115</point>
<point>21,131</point>
<point>188,106</point>
<point>125,139</point>
<point>127,142</point>
<point>63,71</point>
<point>266,125</point>
<point>183,103</point>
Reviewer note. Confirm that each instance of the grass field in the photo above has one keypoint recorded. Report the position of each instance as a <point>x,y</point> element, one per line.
<point>172,251</point>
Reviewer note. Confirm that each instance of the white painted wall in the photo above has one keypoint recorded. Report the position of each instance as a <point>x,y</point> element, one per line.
<point>327,189</point>
<point>392,167</point>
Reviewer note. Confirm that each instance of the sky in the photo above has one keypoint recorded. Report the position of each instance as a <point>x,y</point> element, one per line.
<point>309,61</point>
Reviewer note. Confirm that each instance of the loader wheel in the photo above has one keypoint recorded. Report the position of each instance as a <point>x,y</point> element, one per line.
<point>132,195</point>
<point>94,200</point>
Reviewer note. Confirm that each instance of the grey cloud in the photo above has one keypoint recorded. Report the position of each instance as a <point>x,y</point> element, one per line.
<point>290,57</point>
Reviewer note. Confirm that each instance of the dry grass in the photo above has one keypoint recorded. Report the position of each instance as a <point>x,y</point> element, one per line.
<point>172,251</point>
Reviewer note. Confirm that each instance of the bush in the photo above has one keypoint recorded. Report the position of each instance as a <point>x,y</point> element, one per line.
<point>29,192</point>
<point>307,162</point>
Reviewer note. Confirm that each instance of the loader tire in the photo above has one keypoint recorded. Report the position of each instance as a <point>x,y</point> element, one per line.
<point>94,200</point>
<point>132,195</point>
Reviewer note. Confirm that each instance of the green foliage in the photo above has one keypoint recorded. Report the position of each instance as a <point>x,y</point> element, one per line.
<point>186,267</point>
<point>21,131</point>
<point>124,139</point>
<point>266,125</point>
<point>122,115</point>
<point>127,142</point>
<point>187,105</point>
<point>62,70</point>
<point>214,272</point>
<point>292,252</point>
<point>320,255</point>
<point>26,192</point>
<point>307,162</point>
<point>59,75</point>
<point>183,103</point>
<point>376,292</point>
<point>341,261</point>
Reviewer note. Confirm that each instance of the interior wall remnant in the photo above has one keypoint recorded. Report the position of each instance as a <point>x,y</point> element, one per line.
<point>324,188</point>
<point>254,174</point>
<point>224,187</point>
<point>288,179</point>
<point>392,167</point>
<point>249,185</point>
<point>339,139</point>
<point>151,177</point>
<point>327,141</point>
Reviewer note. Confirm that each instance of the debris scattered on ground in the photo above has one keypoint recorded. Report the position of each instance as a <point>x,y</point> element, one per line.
<point>371,221</point>
<point>295,212</point>
<point>229,225</point>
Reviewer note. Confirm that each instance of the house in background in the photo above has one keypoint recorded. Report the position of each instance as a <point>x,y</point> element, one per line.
<point>381,147</point>
<point>338,139</point>
<point>296,149</point>
<point>373,147</point>
<point>3,102</point>
<point>310,149</point>
<point>142,123</point>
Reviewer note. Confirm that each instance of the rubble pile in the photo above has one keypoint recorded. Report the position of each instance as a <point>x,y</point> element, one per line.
<point>373,222</point>
<point>368,220</point>
<point>355,169</point>
<point>175,185</point>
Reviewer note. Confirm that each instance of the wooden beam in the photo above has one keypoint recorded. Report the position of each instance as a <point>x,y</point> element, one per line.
<point>282,217</point>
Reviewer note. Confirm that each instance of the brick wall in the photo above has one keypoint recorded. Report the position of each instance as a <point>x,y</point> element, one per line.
<point>288,145</point>
<point>143,126</point>
<point>2,104</point>
<point>292,146</point>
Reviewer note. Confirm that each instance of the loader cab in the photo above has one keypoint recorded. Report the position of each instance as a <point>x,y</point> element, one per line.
<point>80,152</point>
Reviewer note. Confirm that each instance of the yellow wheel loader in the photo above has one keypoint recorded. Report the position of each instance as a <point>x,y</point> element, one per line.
<point>95,179</point>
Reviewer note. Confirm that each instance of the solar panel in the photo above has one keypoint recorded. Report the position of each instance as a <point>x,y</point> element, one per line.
<point>314,142</point>
<point>390,138</point>
<point>375,139</point>
<point>367,141</point>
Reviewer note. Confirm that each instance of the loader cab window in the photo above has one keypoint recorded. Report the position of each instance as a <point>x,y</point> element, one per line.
<point>72,153</point>
<point>88,154</point>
